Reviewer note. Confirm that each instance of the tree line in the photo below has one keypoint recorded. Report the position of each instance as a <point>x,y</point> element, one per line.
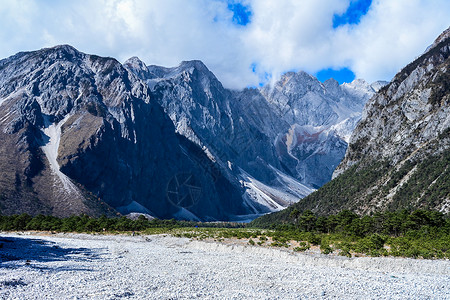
<point>84,223</point>
<point>394,223</point>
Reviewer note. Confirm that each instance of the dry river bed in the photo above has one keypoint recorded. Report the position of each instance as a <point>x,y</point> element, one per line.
<point>82,266</point>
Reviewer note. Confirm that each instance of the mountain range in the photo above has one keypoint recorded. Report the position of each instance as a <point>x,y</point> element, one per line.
<point>399,153</point>
<point>86,134</point>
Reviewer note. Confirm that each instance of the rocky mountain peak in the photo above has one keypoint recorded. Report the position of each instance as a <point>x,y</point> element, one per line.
<point>196,64</point>
<point>197,69</point>
<point>357,83</point>
<point>138,67</point>
<point>443,36</point>
<point>292,82</point>
<point>95,129</point>
<point>64,51</point>
<point>185,70</point>
<point>60,53</point>
<point>331,83</point>
<point>63,48</point>
<point>398,156</point>
<point>135,63</point>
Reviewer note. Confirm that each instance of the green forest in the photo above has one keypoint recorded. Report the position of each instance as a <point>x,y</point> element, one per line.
<point>417,234</point>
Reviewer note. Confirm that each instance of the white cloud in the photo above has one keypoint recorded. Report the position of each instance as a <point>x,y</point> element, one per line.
<point>283,34</point>
<point>393,33</point>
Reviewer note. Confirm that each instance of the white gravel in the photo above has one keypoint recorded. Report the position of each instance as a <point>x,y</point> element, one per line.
<point>79,266</point>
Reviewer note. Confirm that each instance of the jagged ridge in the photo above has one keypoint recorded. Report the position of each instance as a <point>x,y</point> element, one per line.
<point>398,155</point>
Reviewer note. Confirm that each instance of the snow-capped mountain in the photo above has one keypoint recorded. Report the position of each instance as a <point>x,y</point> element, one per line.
<point>321,118</point>
<point>86,134</point>
<point>399,154</point>
<point>81,134</point>
<point>299,126</point>
<point>228,130</point>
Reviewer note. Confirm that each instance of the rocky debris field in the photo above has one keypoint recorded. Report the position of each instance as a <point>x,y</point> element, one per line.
<point>82,266</point>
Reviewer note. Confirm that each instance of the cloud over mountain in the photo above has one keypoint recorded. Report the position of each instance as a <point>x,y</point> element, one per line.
<point>277,35</point>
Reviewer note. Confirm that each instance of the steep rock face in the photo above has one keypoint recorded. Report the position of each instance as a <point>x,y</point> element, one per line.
<point>312,153</point>
<point>407,114</point>
<point>236,135</point>
<point>299,127</point>
<point>321,117</point>
<point>85,134</point>
<point>399,154</point>
<point>301,99</point>
<point>92,137</point>
<point>407,125</point>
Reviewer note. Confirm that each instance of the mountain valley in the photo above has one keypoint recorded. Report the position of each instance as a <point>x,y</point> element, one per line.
<point>87,134</point>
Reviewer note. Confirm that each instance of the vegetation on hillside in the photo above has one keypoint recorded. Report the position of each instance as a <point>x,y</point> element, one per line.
<point>363,187</point>
<point>428,185</point>
<point>418,234</point>
<point>421,233</point>
<point>344,192</point>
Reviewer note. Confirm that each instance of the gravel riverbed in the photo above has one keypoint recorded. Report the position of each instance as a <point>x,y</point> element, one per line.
<point>82,266</point>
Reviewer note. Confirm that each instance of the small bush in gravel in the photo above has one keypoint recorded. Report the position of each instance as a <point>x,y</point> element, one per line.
<point>325,248</point>
<point>345,252</point>
<point>279,244</point>
<point>262,238</point>
<point>303,246</point>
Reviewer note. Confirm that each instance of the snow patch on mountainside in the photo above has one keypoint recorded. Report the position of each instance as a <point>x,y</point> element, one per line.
<point>285,192</point>
<point>345,128</point>
<point>52,131</point>
<point>133,207</point>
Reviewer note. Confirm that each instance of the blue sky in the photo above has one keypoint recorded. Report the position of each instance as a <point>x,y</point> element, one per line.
<point>356,10</point>
<point>342,75</point>
<point>243,42</point>
<point>353,14</point>
<point>241,13</point>
<point>242,17</point>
